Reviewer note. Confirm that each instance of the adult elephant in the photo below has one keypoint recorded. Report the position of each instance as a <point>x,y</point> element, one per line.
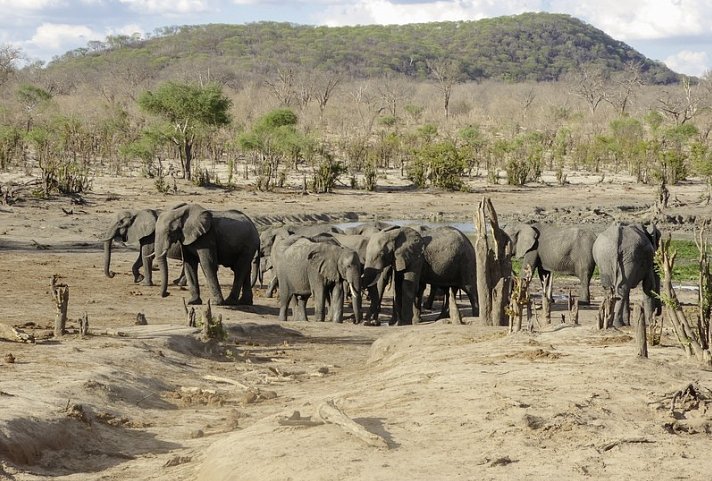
<point>319,269</point>
<point>138,228</point>
<point>210,238</point>
<point>399,248</point>
<point>625,255</point>
<point>449,262</point>
<point>550,248</point>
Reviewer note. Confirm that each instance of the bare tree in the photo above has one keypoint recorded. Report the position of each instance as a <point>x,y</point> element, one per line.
<point>447,72</point>
<point>9,56</point>
<point>283,87</point>
<point>682,105</point>
<point>393,91</point>
<point>589,83</point>
<point>323,86</point>
<point>623,87</point>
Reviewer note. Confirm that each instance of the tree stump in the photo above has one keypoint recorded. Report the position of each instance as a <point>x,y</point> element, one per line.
<point>60,294</point>
<point>494,265</point>
<point>212,326</point>
<point>519,300</point>
<point>641,339</point>
<point>84,325</point>
<point>606,310</point>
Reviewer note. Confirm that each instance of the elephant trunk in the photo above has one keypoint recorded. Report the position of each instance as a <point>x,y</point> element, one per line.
<point>370,276</point>
<point>107,258</point>
<point>356,300</point>
<point>162,260</point>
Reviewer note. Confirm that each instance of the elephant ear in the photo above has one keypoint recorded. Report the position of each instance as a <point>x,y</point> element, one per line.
<point>408,248</point>
<point>325,264</point>
<point>526,240</point>
<point>143,225</point>
<point>653,234</point>
<point>197,223</point>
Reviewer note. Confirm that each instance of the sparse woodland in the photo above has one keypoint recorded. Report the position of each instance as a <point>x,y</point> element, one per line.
<point>99,111</point>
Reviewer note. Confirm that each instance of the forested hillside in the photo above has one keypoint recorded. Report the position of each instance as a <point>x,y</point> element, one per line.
<point>531,46</point>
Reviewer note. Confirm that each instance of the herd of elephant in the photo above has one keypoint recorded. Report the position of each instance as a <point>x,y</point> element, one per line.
<point>329,264</point>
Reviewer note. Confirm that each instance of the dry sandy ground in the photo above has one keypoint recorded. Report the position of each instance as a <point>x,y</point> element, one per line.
<point>451,402</point>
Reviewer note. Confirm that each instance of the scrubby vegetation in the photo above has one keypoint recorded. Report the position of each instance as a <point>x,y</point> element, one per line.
<point>339,107</point>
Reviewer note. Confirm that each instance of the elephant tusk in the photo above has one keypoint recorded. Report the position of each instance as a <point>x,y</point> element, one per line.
<point>353,290</point>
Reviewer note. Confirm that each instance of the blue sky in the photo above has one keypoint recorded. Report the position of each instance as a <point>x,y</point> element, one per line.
<point>677,32</point>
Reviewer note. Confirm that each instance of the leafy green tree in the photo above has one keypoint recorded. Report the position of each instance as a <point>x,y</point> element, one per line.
<point>189,109</point>
<point>274,139</point>
<point>440,164</point>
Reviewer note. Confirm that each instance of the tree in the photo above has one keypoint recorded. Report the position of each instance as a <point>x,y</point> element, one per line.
<point>9,55</point>
<point>188,108</point>
<point>31,97</point>
<point>446,72</point>
<point>589,84</point>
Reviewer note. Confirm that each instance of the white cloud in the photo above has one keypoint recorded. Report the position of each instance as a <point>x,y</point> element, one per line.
<point>168,7</point>
<point>57,36</point>
<point>643,19</point>
<point>688,62</point>
<point>28,4</point>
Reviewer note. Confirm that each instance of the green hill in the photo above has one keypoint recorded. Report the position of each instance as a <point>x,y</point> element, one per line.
<point>530,46</point>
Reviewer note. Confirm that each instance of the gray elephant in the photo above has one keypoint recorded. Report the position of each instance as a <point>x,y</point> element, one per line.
<point>319,269</point>
<point>211,239</point>
<point>138,228</point>
<point>399,248</point>
<point>625,255</point>
<point>449,262</point>
<point>267,239</point>
<point>549,248</point>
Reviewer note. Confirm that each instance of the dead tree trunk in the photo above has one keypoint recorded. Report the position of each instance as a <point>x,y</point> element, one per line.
<point>704,307</point>
<point>604,317</point>
<point>494,265</point>
<point>212,326</point>
<point>519,300</point>
<point>641,339</point>
<point>60,294</point>
<point>573,308</point>
<point>84,325</point>
<point>689,338</point>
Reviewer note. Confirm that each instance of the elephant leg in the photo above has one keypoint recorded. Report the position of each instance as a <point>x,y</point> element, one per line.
<point>336,306</point>
<point>210,269</point>
<point>621,316</point>
<point>319,303</point>
<point>135,268</point>
<point>273,284</point>
<point>471,292</point>
<point>246,294</point>
<point>584,276</point>
<point>190,267</point>
<point>180,280</point>
<point>445,309</point>
<point>375,305</point>
<point>409,306</point>
<point>147,258</point>
<point>284,298</point>
<point>431,298</point>
<point>396,314</point>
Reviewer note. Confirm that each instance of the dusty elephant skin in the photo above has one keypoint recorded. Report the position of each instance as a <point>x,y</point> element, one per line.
<point>209,238</point>
<point>449,402</point>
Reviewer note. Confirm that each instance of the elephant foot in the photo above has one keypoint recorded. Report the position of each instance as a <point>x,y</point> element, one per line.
<point>148,283</point>
<point>371,323</point>
<point>195,302</point>
<point>245,302</point>
<point>165,294</point>
<point>138,278</point>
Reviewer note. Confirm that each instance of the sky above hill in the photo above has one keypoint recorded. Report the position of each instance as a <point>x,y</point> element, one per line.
<point>676,32</point>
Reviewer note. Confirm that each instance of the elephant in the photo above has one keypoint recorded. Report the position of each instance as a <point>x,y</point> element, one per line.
<point>550,248</point>
<point>211,238</point>
<point>267,239</point>
<point>449,262</point>
<point>625,255</point>
<point>319,269</point>
<point>399,248</point>
<point>137,227</point>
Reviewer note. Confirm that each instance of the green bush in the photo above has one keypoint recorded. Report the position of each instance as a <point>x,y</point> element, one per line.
<point>440,164</point>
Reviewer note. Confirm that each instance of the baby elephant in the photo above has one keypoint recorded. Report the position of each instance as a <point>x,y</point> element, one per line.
<point>320,268</point>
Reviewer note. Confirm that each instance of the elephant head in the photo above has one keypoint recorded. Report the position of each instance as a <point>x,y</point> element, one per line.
<point>397,246</point>
<point>523,237</point>
<point>336,265</point>
<point>184,224</point>
<point>131,227</point>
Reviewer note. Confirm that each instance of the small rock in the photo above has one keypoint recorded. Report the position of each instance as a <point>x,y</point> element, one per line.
<point>9,358</point>
<point>198,433</point>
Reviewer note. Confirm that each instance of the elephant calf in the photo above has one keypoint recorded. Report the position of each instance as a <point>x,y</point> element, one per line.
<point>305,268</point>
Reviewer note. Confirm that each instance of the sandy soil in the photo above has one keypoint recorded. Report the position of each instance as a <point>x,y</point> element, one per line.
<point>451,402</point>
